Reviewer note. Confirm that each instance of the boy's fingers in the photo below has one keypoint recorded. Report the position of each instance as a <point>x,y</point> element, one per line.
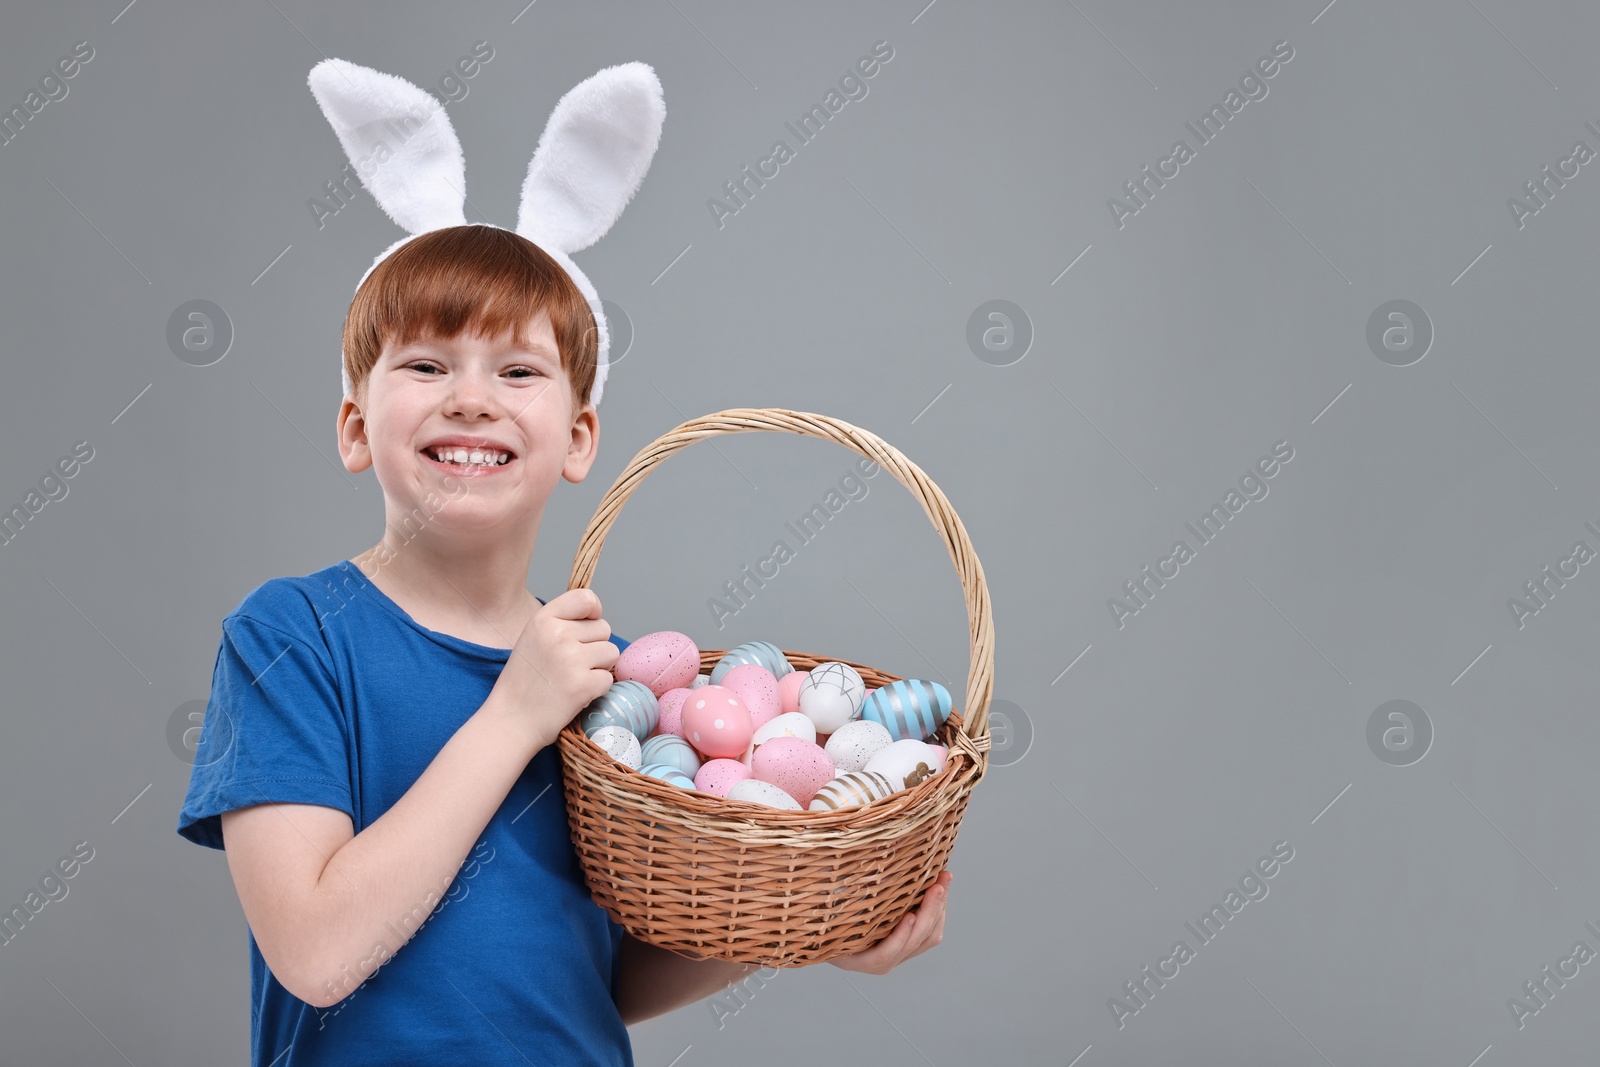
<point>575,604</point>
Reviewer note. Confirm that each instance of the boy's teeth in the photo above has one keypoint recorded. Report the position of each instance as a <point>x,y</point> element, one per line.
<point>462,455</point>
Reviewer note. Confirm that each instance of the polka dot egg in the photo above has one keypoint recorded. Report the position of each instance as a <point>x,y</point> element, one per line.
<point>716,722</point>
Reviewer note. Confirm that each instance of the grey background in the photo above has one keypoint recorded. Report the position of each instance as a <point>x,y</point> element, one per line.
<point>1223,318</point>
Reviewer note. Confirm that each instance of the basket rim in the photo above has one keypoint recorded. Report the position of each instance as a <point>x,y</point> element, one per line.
<point>980,622</point>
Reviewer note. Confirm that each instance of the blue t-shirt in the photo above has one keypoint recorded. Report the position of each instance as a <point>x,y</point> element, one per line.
<point>326,692</point>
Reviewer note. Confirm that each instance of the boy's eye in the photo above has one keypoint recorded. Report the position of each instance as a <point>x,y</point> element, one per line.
<point>419,365</point>
<point>525,370</point>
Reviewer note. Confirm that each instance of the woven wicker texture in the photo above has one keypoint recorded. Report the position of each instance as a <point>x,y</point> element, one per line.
<point>712,878</point>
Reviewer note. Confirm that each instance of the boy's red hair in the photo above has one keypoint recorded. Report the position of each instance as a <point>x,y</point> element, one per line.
<point>477,279</point>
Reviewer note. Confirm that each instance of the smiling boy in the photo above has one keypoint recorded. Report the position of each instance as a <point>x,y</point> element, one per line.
<point>393,711</point>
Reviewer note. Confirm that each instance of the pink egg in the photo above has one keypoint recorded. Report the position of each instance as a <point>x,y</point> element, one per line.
<point>719,775</point>
<point>758,689</point>
<point>794,765</point>
<point>789,691</point>
<point>663,660</point>
<point>716,722</point>
<point>671,704</point>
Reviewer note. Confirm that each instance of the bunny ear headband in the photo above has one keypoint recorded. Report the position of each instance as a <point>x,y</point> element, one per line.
<point>590,160</point>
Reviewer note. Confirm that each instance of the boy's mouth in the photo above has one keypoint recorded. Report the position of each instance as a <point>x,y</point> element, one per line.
<point>462,460</point>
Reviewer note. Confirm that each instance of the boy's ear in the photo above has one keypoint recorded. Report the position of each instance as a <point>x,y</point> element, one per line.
<point>352,429</point>
<point>584,445</point>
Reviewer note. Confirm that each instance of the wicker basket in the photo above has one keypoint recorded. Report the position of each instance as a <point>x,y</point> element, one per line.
<point>711,878</point>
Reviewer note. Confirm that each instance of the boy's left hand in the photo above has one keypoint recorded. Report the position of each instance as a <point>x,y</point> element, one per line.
<point>921,929</point>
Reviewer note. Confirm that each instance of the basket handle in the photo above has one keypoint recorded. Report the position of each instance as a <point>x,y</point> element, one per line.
<point>980,678</point>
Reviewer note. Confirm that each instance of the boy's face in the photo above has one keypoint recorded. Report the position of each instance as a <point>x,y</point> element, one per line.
<point>465,394</point>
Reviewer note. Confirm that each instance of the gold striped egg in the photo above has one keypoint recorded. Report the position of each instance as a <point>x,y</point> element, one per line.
<point>851,789</point>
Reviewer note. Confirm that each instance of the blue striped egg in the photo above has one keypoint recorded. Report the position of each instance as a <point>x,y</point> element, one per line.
<point>910,708</point>
<point>764,653</point>
<point>672,751</point>
<point>670,775</point>
<point>630,705</point>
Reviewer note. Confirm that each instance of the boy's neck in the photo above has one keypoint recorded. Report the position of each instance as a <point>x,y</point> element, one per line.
<point>478,597</point>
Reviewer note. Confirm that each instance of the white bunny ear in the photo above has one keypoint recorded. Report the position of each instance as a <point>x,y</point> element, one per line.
<point>400,141</point>
<point>592,157</point>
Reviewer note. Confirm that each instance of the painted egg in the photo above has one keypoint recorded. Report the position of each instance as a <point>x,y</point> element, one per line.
<point>851,789</point>
<point>906,763</point>
<point>716,722</point>
<point>794,724</point>
<point>671,707</point>
<point>719,775</point>
<point>663,660</point>
<point>700,680</point>
<point>765,653</point>
<point>832,695</point>
<point>794,765</point>
<point>673,751</point>
<point>910,708</point>
<point>670,775</point>
<point>755,791</point>
<point>758,689</point>
<point>628,704</point>
<point>789,690</point>
<point>619,744</point>
<point>854,743</point>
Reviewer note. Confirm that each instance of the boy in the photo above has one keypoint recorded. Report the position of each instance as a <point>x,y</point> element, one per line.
<point>393,716</point>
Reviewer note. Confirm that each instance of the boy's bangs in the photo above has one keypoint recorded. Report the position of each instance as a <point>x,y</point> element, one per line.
<point>477,280</point>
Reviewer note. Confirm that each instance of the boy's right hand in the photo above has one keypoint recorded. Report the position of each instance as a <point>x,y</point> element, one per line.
<point>560,662</point>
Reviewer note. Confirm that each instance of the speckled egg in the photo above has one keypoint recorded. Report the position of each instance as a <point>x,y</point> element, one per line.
<point>670,775</point>
<point>789,691</point>
<point>671,707</point>
<point>628,704</point>
<point>758,689</point>
<point>719,775</point>
<point>619,744</point>
<point>663,660</point>
<point>755,791</point>
<point>794,765</point>
<point>909,708</point>
<point>854,743</point>
<point>673,751</point>
<point>794,724</point>
<point>832,695</point>
<point>765,653</point>
<point>906,763</point>
<point>716,722</point>
<point>851,789</point>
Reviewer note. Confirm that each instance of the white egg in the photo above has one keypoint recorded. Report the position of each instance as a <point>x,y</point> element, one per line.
<point>906,763</point>
<point>831,695</point>
<point>851,789</point>
<point>789,724</point>
<point>755,791</point>
<point>854,743</point>
<point>620,744</point>
<point>700,680</point>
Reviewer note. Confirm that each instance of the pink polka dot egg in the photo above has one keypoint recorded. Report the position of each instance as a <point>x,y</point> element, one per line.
<point>716,722</point>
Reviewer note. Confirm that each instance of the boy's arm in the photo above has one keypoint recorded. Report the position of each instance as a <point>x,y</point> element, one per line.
<point>652,981</point>
<point>327,906</point>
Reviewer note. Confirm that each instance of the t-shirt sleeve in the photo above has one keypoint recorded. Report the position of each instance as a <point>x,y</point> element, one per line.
<point>274,731</point>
